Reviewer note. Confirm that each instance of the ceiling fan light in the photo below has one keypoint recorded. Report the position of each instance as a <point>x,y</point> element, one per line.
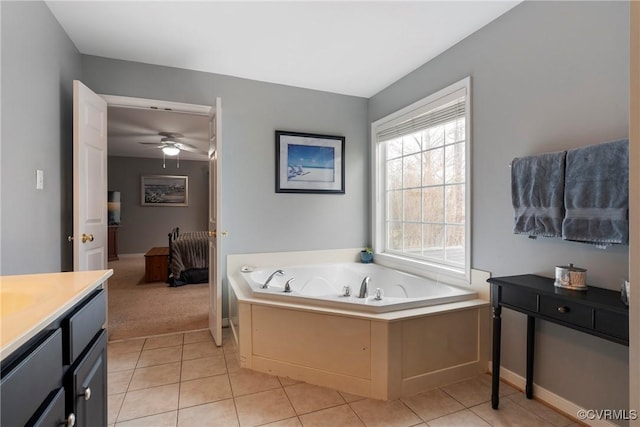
<point>170,151</point>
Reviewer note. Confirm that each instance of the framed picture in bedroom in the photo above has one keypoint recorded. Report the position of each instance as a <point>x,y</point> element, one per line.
<point>309,163</point>
<point>164,190</point>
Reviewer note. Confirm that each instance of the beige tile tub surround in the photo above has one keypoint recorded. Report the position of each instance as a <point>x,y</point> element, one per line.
<point>200,397</point>
<point>382,356</point>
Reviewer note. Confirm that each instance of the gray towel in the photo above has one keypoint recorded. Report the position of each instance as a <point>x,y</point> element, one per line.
<point>537,188</point>
<point>596,194</point>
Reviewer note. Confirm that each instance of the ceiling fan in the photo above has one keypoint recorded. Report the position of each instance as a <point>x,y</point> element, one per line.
<point>171,146</point>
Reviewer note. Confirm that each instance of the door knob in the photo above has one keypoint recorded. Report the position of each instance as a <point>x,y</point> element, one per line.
<point>87,393</point>
<point>87,238</point>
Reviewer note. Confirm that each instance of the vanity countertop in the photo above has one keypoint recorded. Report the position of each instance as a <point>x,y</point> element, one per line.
<point>30,302</point>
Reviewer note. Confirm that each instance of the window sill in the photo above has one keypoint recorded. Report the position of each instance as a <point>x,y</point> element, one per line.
<point>424,269</point>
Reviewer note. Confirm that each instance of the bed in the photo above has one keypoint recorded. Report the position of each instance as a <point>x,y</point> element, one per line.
<point>188,257</point>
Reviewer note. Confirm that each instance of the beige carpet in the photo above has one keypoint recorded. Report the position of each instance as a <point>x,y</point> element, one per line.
<point>139,309</point>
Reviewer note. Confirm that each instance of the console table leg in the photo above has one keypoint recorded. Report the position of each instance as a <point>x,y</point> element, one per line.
<point>495,374</point>
<point>531,333</point>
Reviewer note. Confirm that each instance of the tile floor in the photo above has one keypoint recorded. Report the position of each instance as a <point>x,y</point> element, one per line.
<point>185,380</point>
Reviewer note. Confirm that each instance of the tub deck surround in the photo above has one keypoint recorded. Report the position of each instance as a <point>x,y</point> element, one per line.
<point>324,284</point>
<point>31,302</point>
<point>379,355</point>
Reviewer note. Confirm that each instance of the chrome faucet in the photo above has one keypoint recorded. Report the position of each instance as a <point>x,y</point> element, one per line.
<point>364,288</point>
<point>287,286</point>
<point>275,273</point>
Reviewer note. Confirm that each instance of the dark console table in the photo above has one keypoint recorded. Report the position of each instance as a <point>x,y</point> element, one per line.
<point>596,311</point>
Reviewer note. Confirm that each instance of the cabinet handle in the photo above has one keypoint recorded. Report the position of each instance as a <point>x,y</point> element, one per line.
<point>71,420</point>
<point>87,393</point>
<point>564,309</point>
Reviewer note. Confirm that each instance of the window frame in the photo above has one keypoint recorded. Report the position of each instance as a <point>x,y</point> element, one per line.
<point>413,265</point>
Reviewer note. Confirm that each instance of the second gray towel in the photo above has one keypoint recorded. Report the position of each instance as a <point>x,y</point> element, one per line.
<point>537,189</point>
<point>597,194</point>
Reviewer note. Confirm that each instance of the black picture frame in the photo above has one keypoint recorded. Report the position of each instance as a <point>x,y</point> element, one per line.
<point>309,163</point>
<point>164,190</point>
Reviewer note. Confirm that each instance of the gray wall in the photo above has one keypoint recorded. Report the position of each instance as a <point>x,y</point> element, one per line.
<point>144,227</point>
<point>546,76</point>
<point>39,63</point>
<point>256,218</point>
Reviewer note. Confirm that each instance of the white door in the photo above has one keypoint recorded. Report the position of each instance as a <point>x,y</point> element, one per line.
<point>89,179</point>
<point>215,229</point>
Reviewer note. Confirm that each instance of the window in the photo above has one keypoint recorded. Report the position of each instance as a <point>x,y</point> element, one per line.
<point>422,184</point>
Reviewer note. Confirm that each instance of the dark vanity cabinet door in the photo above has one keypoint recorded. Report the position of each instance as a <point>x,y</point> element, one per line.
<point>87,383</point>
<point>53,413</point>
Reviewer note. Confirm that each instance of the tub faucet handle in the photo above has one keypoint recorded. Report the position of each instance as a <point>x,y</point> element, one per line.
<point>275,273</point>
<point>379,294</point>
<point>287,286</point>
<point>346,291</point>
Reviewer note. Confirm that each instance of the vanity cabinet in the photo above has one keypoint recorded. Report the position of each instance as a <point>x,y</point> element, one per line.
<point>59,377</point>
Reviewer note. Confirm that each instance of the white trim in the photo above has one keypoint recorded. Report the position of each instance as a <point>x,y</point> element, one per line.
<point>559,403</point>
<point>154,104</point>
<point>377,164</point>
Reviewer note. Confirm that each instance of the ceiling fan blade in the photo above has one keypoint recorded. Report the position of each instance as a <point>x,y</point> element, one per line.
<point>171,135</point>
<point>190,148</point>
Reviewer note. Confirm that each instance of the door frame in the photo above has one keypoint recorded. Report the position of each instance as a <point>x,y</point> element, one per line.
<point>156,104</point>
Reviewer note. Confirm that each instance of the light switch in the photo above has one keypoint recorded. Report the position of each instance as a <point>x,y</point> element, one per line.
<point>39,179</point>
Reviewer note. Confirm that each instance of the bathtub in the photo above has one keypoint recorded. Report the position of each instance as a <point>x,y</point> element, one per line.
<point>421,335</point>
<point>338,285</point>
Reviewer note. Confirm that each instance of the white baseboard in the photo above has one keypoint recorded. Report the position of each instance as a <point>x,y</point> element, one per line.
<point>558,402</point>
<point>130,255</point>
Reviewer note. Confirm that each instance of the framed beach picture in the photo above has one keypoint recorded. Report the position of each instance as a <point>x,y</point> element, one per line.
<point>309,163</point>
<point>165,190</point>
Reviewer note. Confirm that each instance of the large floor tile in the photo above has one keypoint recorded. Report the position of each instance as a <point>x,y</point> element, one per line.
<point>199,350</point>
<point>308,398</point>
<point>384,413</point>
<point>122,361</point>
<point>469,392</point>
<point>348,397</point>
<point>163,341</point>
<point>464,418</point>
<point>264,407</point>
<point>508,414</point>
<point>118,382</point>
<point>114,403</point>
<point>156,375</point>
<point>233,364</point>
<point>541,410</point>
<point>215,414</point>
<point>128,346</point>
<point>197,336</point>
<point>289,422</point>
<point>204,390</point>
<point>245,381</point>
<point>205,367</point>
<point>150,401</point>
<point>339,416</point>
<point>505,389</point>
<point>432,404</point>
<point>166,419</point>
<point>159,356</point>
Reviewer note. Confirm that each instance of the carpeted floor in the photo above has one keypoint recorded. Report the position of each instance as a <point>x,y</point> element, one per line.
<point>140,309</point>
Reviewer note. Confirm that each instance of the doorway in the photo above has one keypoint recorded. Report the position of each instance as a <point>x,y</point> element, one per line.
<point>138,130</point>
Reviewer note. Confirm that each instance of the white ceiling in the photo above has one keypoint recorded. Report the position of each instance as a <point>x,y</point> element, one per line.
<point>348,47</point>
